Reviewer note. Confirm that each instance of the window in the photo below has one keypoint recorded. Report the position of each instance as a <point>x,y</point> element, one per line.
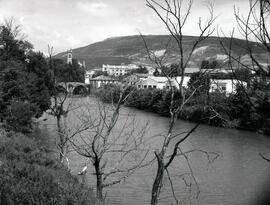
<point>145,86</point>
<point>154,86</point>
<point>149,86</point>
<point>139,86</point>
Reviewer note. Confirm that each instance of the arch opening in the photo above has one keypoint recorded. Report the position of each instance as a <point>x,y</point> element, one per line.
<point>80,90</point>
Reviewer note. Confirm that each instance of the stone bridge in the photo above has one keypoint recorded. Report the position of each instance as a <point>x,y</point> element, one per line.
<point>73,87</point>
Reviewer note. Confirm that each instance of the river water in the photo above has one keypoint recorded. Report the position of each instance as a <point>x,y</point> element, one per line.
<point>238,176</point>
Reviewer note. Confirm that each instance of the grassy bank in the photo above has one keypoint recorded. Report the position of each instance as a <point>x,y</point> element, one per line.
<point>30,174</point>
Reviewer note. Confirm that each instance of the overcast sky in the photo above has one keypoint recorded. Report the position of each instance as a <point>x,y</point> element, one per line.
<point>73,23</point>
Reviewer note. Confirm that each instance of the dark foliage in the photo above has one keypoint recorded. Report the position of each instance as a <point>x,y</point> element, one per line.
<point>98,73</point>
<point>27,80</point>
<point>200,83</point>
<point>109,93</point>
<point>68,72</point>
<point>209,65</point>
<point>29,174</point>
<point>141,69</point>
<point>215,108</point>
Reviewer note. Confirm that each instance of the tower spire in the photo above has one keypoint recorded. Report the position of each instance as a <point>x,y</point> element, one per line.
<point>69,56</point>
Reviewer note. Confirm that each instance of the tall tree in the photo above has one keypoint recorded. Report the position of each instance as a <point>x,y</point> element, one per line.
<point>23,81</point>
<point>174,17</point>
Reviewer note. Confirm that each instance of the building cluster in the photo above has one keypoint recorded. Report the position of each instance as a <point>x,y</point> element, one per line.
<point>122,75</point>
<point>148,80</point>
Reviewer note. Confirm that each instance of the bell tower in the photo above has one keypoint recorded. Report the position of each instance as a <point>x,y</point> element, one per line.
<point>69,56</point>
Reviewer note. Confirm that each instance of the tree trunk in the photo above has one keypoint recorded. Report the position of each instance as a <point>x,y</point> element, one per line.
<point>61,138</point>
<point>99,180</point>
<point>158,180</point>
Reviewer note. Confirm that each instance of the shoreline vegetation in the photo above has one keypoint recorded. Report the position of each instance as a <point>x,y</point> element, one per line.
<point>31,174</point>
<point>221,110</point>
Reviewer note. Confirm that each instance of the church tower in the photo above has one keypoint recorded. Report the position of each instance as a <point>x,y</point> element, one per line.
<point>69,57</point>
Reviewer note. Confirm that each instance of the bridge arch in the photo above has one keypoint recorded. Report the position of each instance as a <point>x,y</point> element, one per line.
<point>73,87</point>
<point>80,90</point>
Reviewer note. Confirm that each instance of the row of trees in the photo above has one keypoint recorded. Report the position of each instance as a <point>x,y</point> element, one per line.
<point>206,64</point>
<point>214,108</point>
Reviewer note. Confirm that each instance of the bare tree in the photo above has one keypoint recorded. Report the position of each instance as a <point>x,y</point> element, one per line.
<point>61,105</point>
<point>174,17</point>
<point>255,30</point>
<point>115,147</point>
<point>14,28</point>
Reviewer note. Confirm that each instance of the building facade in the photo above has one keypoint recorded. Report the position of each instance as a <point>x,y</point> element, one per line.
<point>134,78</point>
<point>227,86</point>
<point>161,82</point>
<point>118,70</point>
<point>101,81</point>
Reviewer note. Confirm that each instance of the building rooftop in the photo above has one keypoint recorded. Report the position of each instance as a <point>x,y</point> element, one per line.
<point>191,70</point>
<point>158,79</point>
<point>102,77</point>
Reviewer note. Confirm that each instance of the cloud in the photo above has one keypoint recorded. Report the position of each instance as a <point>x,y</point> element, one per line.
<point>95,8</point>
<point>68,24</point>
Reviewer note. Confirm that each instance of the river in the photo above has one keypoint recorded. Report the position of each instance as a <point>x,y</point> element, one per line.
<point>238,176</point>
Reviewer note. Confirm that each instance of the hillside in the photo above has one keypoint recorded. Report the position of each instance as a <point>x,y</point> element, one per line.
<point>131,49</point>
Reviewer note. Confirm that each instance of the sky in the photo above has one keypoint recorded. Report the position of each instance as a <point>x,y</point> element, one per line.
<point>66,24</point>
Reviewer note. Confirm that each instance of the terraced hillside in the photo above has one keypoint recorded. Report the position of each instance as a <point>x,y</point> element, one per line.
<point>131,49</point>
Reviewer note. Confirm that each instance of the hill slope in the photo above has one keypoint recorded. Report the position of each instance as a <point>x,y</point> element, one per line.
<point>131,49</point>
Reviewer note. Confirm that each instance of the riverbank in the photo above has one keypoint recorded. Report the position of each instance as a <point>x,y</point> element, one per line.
<point>31,174</point>
<point>215,109</point>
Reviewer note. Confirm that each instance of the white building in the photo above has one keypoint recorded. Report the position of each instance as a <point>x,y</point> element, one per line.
<point>154,82</point>
<point>118,70</point>
<point>134,78</point>
<point>101,81</point>
<point>88,76</point>
<point>161,82</point>
<point>227,86</point>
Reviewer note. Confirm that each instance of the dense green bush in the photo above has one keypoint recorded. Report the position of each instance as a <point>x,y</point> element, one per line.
<point>247,109</point>
<point>19,117</point>
<point>109,93</point>
<point>29,174</point>
<point>252,107</point>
